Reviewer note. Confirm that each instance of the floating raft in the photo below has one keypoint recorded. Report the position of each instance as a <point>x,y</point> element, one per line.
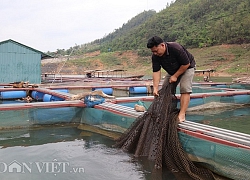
<point>54,104</point>
<point>198,130</point>
<point>225,152</point>
<point>220,135</point>
<point>119,109</point>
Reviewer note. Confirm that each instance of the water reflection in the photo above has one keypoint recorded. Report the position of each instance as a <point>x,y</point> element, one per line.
<point>76,149</point>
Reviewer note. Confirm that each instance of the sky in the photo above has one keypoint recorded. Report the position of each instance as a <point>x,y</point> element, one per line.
<point>49,25</point>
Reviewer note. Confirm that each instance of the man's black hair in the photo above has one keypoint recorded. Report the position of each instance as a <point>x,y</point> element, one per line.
<point>154,41</point>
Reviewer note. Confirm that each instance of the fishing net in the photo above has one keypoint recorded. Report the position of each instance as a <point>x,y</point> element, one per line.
<point>154,135</point>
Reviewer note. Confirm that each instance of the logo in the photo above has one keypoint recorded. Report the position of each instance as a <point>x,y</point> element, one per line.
<point>53,167</point>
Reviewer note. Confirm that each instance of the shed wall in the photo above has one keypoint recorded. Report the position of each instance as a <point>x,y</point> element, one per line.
<point>19,63</point>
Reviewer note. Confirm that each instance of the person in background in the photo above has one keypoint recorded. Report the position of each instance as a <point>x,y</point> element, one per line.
<point>179,65</point>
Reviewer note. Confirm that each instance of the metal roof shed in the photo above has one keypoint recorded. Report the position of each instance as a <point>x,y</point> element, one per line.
<point>19,62</point>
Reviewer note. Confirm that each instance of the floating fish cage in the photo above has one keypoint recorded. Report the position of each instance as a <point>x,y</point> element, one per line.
<point>223,151</point>
<point>207,144</point>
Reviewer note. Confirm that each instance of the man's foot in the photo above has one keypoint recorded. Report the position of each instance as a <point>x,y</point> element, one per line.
<point>181,117</point>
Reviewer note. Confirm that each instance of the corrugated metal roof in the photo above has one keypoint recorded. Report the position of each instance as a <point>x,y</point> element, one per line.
<point>44,56</point>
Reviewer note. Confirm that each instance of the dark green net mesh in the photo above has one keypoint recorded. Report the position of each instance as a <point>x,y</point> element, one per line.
<point>154,135</point>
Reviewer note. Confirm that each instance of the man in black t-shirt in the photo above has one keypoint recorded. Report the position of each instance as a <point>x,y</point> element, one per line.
<point>179,65</point>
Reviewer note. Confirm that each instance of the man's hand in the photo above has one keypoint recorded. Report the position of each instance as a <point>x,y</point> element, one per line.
<point>156,81</point>
<point>155,92</point>
<point>172,79</point>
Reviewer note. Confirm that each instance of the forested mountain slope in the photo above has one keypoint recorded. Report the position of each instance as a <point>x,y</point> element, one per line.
<point>193,23</point>
<point>217,32</point>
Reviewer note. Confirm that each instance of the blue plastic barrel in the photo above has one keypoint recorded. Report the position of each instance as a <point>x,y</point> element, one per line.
<point>62,90</point>
<point>12,94</point>
<point>37,95</point>
<point>138,90</point>
<point>108,91</point>
<point>55,98</point>
<point>48,97</point>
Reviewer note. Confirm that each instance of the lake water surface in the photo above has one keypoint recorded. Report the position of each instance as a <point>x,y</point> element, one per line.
<point>58,152</point>
<point>65,152</point>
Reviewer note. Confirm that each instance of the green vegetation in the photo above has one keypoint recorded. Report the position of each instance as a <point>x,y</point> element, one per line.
<point>232,59</point>
<point>203,26</point>
<point>227,59</point>
<point>193,23</point>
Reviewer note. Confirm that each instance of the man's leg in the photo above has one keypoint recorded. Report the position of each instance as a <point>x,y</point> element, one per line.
<point>185,90</point>
<point>184,102</point>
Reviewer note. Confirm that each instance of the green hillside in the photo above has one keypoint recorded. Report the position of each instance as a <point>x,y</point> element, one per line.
<point>227,60</point>
<point>193,23</point>
<point>217,32</point>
